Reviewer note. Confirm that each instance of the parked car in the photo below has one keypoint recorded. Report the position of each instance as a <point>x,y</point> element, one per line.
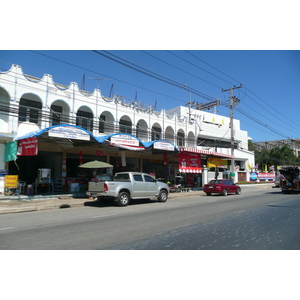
<point>127,186</point>
<point>223,187</point>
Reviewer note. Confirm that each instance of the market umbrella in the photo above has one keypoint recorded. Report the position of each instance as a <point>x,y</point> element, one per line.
<point>95,165</point>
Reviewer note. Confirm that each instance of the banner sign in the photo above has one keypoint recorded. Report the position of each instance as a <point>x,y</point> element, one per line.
<point>11,181</point>
<point>69,133</point>
<point>213,162</point>
<point>10,152</point>
<point>262,176</point>
<point>266,176</point>
<point>27,147</point>
<point>163,146</point>
<point>124,139</point>
<point>190,163</point>
<point>126,142</point>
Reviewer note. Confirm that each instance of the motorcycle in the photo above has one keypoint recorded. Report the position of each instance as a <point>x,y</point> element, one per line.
<point>175,188</point>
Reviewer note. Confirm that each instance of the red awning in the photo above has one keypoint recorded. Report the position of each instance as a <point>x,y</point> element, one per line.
<point>205,152</point>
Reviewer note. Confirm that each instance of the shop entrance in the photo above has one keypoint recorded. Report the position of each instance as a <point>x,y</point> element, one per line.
<point>27,166</point>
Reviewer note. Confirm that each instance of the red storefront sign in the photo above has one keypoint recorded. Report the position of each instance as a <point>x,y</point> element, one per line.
<point>27,147</point>
<point>190,163</point>
<point>165,159</point>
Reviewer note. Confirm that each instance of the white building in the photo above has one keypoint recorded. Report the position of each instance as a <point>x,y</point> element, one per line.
<point>114,130</point>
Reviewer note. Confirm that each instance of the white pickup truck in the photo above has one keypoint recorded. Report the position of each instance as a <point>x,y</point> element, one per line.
<point>129,185</point>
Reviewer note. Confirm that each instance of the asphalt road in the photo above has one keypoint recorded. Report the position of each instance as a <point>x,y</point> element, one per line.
<point>260,218</point>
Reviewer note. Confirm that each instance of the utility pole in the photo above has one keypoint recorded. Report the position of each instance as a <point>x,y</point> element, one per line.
<point>232,101</point>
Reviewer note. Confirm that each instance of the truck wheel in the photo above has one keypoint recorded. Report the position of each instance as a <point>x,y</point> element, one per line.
<point>123,199</point>
<point>163,196</point>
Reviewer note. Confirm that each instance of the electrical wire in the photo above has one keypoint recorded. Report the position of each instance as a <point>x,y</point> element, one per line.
<point>212,67</point>
<point>247,95</point>
<point>197,66</point>
<point>153,74</point>
<point>119,80</point>
<point>180,69</point>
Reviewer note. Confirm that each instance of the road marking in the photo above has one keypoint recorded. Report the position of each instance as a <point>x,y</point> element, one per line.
<point>239,211</point>
<point>7,228</point>
<point>103,216</point>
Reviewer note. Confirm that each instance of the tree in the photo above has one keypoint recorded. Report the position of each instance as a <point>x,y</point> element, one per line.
<point>276,157</point>
<point>262,158</point>
<point>287,156</point>
<point>250,146</point>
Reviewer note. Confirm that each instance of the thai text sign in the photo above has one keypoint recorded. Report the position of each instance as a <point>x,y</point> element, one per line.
<point>69,133</point>
<point>262,176</point>
<point>163,146</point>
<point>11,181</point>
<point>213,162</point>
<point>27,147</point>
<point>124,139</point>
<point>189,161</point>
<point>266,176</point>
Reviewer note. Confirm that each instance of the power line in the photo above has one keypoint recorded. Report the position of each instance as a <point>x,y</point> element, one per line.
<point>211,67</point>
<point>271,107</point>
<point>197,66</point>
<point>261,123</point>
<point>119,80</point>
<point>179,68</point>
<point>246,95</point>
<point>153,74</point>
<point>269,118</point>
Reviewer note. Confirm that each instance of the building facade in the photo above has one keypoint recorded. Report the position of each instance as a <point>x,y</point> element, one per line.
<point>72,126</point>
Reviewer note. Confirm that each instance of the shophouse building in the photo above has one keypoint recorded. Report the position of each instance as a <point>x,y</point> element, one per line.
<point>47,130</point>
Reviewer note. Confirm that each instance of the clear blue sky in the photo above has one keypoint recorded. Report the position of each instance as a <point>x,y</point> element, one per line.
<point>270,96</point>
<point>269,100</point>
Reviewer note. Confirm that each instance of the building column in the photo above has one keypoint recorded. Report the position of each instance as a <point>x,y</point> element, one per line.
<point>204,176</point>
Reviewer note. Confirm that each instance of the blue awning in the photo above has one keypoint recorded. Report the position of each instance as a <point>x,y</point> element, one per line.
<point>120,140</point>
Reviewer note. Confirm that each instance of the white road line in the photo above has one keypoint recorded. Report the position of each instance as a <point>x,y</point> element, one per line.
<point>103,216</point>
<point>239,211</point>
<point>7,228</point>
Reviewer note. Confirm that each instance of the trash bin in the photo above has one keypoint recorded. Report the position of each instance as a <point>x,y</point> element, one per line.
<point>29,190</point>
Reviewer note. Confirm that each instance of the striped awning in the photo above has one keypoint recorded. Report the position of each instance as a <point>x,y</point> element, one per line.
<point>190,170</point>
<point>185,149</point>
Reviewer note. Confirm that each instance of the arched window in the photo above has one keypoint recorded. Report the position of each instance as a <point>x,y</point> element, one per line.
<point>125,125</point>
<point>29,111</point>
<point>156,132</point>
<point>84,119</point>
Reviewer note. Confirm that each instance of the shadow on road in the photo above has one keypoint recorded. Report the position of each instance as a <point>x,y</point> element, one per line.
<point>105,203</point>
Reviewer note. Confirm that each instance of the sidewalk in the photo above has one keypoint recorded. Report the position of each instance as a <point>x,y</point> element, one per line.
<point>15,204</point>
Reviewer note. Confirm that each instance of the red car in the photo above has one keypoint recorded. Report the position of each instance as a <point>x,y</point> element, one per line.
<point>222,187</point>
